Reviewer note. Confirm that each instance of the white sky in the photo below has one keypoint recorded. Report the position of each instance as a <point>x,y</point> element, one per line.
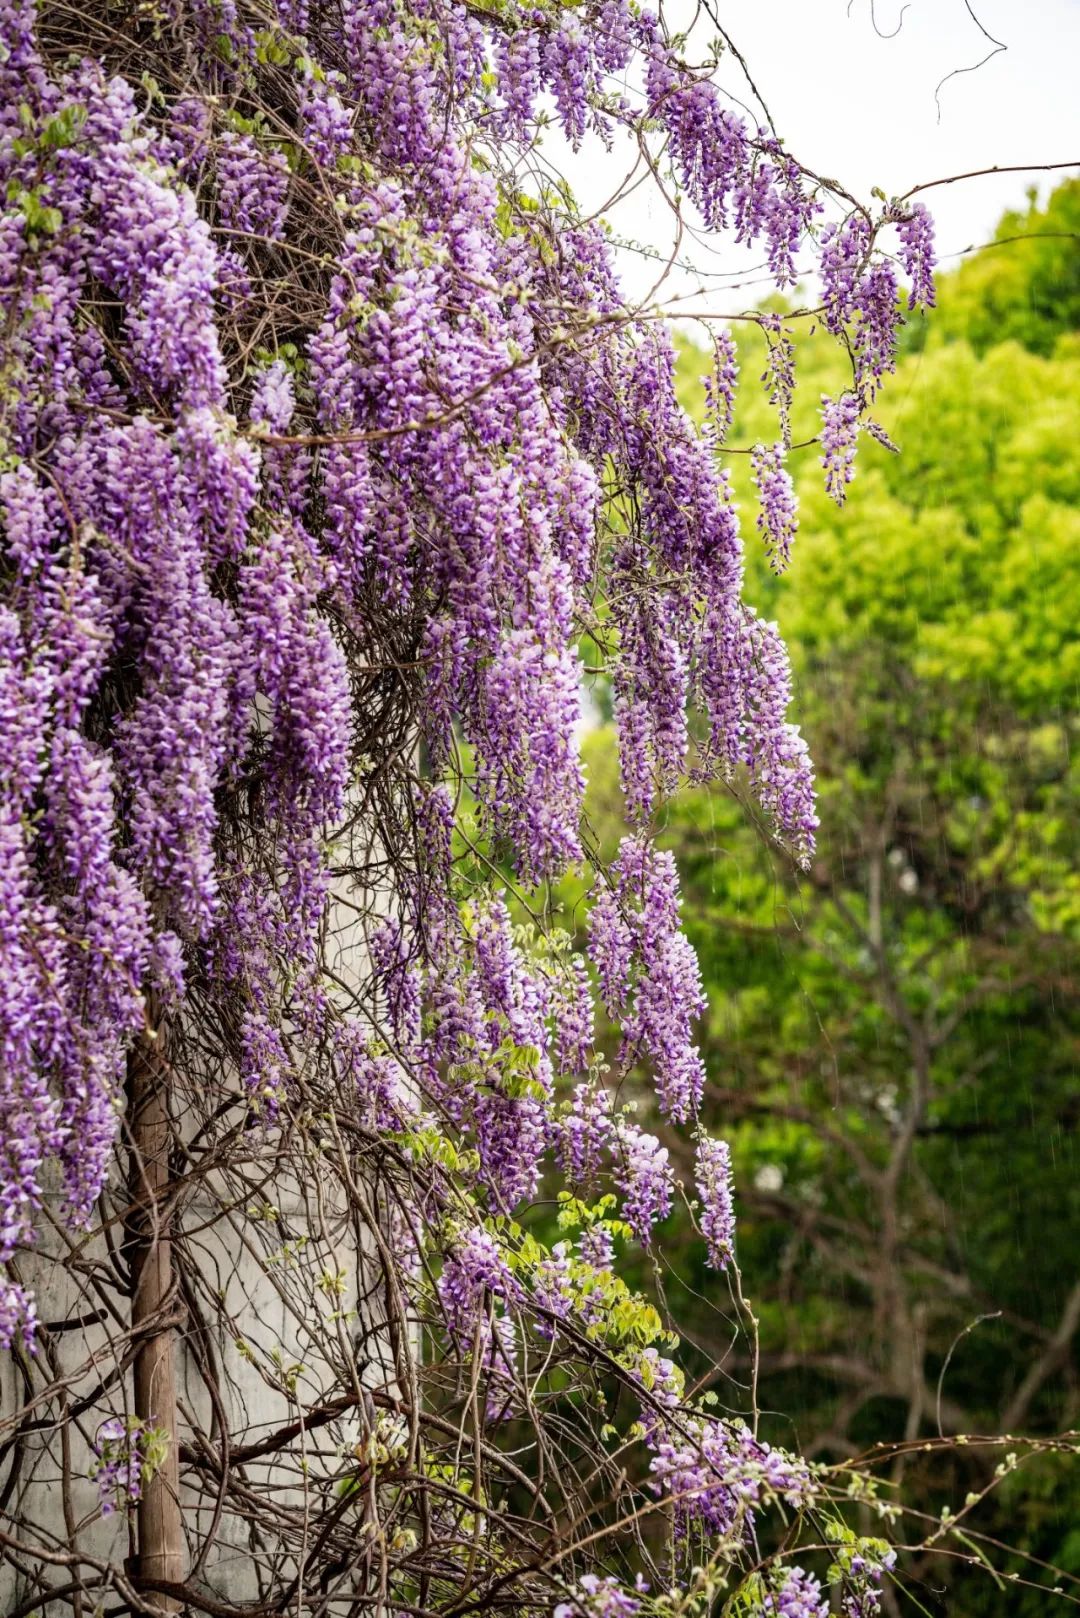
<point>860,108</point>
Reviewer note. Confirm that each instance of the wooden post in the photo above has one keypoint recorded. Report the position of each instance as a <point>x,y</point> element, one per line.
<point>160,1527</point>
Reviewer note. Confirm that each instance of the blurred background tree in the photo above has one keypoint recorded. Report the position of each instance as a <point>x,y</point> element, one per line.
<point>893,1038</point>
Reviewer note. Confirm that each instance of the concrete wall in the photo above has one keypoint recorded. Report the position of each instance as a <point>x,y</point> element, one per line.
<point>264,1285</point>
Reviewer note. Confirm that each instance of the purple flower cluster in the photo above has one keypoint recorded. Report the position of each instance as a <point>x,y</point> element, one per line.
<point>643,1175</point>
<point>476,1290</point>
<point>915,227</point>
<point>778,516</point>
<point>568,59</point>
<point>839,432</point>
<point>774,751</point>
<point>158,503</point>
<point>863,1570</point>
<point>675,597</point>
<point>253,185</point>
<point>567,63</point>
<point>553,1287</point>
<point>586,1131</point>
<point>189,132</point>
<point>737,177</point>
<point>779,373</point>
<point>596,1597</point>
<point>118,1464</point>
<point>490,1009</point>
<point>474,1277</point>
<point>325,120</point>
<point>264,1063</point>
<point>648,972</point>
<point>578,1287</point>
<point>716,1473</point>
<point>875,327</point>
<point>713,1179</point>
<point>665,1385</point>
<point>399,981</point>
<point>596,1248</point>
<point>720,387</point>
<point>18,1316</point>
<point>845,254</point>
<point>862,303</point>
<point>573,1014</point>
<point>860,293</point>
<point>797,1594</point>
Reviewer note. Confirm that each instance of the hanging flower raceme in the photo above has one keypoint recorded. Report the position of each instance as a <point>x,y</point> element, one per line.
<point>713,1178</point>
<point>717,1474</point>
<point>797,1594</point>
<point>475,1277</point>
<point>915,228</point>
<point>643,1175</point>
<point>840,430</point>
<point>778,517</point>
<point>649,973</point>
<point>596,1597</point>
<point>118,1464</point>
<point>720,388</point>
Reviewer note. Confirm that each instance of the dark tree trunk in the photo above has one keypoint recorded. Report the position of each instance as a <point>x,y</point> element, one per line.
<point>160,1556</point>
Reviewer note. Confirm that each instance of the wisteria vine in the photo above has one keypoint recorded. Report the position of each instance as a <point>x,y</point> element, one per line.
<point>328,444</point>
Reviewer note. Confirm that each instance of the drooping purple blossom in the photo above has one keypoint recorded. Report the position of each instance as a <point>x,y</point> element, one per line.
<point>189,132</point>
<point>716,1472</point>
<point>567,68</point>
<point>773,749</point>
<point>511,1138</point>
<point>839,432</point>
<point>532,778</point>
<point>864,1568</point>
<point>264,1063</point>
<point>596,1247</point>
<point>778,515</point>
<point>585,1132</point>
<point>167,967</point>
<point>383,1103</point>
<point>553,1288</point>
<point>779,373</point>
<point>712,1174</point>
<point>399,979</point>
<point>643,1174</point>
<point>18,1316</point>
<point>519,56</point>
<point>572,1009</point>
<point>253,185</point>
<point>325,120</point>
<point>664,1383</point>
<point>649,973</point>
<point>475,1275</point>
<point>720,387</point>
<point>596,1597</point>
<point>876,324</point>
<point>845,252</point>
<point>917,254</point>
<point>796,1594</point>
<point>118,1464</point>
<point>736,176</point>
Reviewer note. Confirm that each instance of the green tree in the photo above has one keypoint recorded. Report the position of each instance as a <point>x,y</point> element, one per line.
<point>1024,285</point>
